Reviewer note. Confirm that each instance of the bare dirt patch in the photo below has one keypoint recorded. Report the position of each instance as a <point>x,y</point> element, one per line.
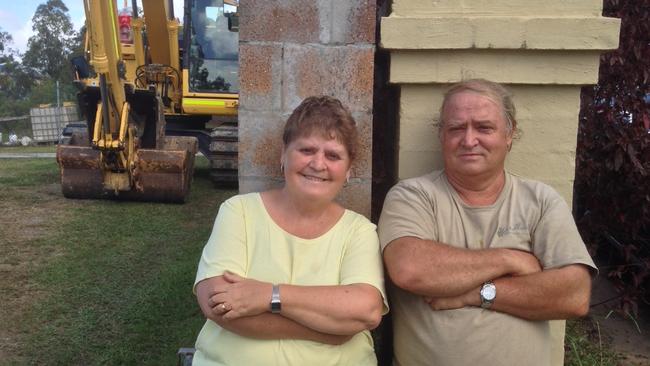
<point>628,336</point>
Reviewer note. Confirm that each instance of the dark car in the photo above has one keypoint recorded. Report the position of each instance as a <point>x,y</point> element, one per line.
<point>70,129</point>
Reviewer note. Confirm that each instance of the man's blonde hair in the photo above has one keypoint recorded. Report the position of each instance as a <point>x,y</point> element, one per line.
<point>489,89</point>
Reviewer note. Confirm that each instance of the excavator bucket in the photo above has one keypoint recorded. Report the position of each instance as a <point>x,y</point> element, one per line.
<point>159,175</point>
<point>81,174</point>
<point>165,175</point>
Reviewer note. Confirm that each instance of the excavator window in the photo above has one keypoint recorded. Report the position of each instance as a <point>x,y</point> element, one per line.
<point>214,48</point>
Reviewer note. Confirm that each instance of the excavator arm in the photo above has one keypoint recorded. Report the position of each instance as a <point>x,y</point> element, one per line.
<point>127,155</point>
<point>111,120</point>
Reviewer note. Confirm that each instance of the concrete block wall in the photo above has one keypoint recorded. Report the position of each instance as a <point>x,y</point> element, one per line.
<point>292,49</point>
<point>544,51</point>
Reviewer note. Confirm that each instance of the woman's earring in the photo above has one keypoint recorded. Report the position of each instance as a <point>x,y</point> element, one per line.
<point>282,168</point>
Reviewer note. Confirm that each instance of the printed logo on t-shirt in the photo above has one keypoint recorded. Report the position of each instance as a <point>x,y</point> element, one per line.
<point>507,230</point>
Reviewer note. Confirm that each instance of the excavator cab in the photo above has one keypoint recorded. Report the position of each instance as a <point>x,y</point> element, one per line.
<point>210,93</point>
<point>213,52</point>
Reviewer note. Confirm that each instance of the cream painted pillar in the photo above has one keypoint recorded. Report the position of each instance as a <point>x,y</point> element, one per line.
<point>544,51</point>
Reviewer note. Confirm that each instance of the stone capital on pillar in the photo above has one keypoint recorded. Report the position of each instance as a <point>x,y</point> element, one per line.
<point>543,51</point>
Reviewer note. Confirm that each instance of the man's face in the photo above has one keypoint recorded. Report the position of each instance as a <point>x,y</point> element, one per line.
<point>474,136</point>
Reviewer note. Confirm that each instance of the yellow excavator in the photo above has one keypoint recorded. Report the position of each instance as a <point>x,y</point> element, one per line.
<point>150,104</point>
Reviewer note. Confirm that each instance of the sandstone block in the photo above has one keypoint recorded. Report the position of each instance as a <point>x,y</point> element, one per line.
<point>260,68</point>
<point>260,143</point>
<point>343,72</point>
<point>280,21</point>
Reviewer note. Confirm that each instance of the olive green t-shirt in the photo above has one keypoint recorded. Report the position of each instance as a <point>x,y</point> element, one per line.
<point>527,215</point>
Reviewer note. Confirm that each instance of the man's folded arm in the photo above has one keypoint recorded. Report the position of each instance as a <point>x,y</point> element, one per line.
<point>560,293</point>
<point>434,269</point>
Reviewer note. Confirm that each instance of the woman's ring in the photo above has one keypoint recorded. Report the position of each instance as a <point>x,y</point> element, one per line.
<point>223,306</point>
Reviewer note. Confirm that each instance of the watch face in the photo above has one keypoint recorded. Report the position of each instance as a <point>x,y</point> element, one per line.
<point>489,292</point>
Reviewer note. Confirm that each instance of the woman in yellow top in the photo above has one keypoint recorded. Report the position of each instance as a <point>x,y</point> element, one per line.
<point>288,276</point>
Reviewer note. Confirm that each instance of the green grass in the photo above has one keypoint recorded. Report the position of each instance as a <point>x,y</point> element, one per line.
<point>28,172</point>
<point>119,291</point>
<point>585,346</point>
<point>28,149</point>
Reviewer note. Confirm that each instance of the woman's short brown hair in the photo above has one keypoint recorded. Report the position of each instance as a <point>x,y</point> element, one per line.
<point>326,116</point>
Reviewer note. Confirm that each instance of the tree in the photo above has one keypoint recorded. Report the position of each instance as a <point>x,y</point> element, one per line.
<point>51,45</point>
<point>77,45</point>
<point>15,80</point>
<point>612,194</point>
<point>5,40</point>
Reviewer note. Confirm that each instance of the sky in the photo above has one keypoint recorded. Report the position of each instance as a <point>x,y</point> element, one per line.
<point>16,17</point>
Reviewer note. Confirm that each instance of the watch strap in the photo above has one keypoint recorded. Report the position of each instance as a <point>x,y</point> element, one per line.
<point>276,304</point>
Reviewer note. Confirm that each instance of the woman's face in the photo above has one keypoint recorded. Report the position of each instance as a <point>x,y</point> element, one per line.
<point>315,167</point>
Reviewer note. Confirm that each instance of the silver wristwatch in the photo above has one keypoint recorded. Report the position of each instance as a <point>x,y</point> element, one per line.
<point>488,294</point>
<point>276,304</point>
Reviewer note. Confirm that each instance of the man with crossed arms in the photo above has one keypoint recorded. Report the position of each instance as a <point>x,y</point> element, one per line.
<point>480,259</point>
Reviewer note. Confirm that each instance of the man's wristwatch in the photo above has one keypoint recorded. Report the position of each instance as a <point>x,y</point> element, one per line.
<point>488,294</point>
<point>276,304</point>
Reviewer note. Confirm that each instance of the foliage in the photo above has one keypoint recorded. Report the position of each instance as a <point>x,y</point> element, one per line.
<point>30,79</point>
<point>77,44</point>
<point>15,80</point>
<point>5,40</point>
<point>612,194</point>
<point>46,92</point>
<point>51,45</point>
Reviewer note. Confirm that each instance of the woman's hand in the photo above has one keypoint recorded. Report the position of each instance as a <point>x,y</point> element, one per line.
<point>240,297</point>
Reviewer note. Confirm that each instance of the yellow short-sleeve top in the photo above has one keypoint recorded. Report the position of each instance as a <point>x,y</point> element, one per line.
<point>246,241</point>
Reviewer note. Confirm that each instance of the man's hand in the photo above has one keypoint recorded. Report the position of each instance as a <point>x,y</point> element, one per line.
<point>523,263</point>
<point>470,298</point>
<point>240,297</point>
